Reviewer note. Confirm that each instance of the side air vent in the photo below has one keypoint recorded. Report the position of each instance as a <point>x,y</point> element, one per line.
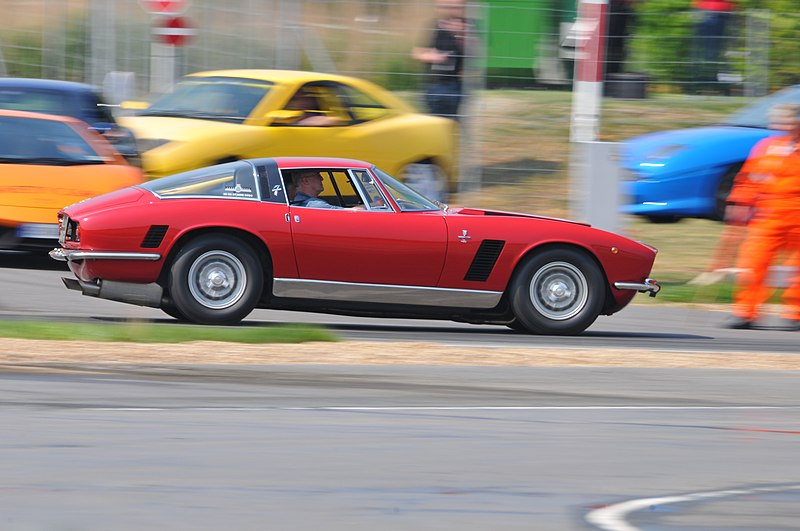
<point>484,260</point>
<point>154,236</point>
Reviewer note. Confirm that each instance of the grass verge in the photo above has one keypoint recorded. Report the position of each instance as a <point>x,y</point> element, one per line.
<point>679,292</point>
<point>140,332</point>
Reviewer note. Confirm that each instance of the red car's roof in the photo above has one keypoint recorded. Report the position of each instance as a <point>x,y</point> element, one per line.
<point>302,162</point>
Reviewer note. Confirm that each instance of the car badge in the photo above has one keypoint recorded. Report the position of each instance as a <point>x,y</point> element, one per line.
<point>238,191</point>
<point>463,238</point>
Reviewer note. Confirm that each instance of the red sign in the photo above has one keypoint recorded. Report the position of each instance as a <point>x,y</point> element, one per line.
<point>175,31</point>
<point>164,7</point>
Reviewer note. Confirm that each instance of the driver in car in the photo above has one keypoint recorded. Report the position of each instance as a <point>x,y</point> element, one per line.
<point>308,187</point>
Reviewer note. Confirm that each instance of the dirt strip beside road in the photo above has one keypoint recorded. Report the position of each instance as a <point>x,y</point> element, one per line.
<point>15,354</point>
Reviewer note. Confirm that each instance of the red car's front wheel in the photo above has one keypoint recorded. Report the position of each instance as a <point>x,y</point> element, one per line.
<point>559,291</point>
<point>215,280</point>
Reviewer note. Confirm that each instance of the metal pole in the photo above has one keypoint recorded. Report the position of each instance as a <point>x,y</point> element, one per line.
<point>289,36</point>
<point>757,53</point>
<point>162,68</point>
<point>474,79</point>
<point>587,90</point>
<point>101,31</point>
<point>594,170</point>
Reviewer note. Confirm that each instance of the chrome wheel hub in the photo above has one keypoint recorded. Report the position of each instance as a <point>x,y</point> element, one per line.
<point>559,291</point>
<point>217,279</point>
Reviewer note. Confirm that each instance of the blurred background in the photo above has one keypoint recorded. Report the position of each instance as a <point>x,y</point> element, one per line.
<point>525,43</point>
<point>515,135</point>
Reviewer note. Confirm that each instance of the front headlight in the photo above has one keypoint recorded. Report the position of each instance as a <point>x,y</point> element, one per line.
<point>147,144</point>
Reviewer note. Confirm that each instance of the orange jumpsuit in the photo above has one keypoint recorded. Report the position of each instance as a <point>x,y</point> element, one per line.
<point>770,182</point>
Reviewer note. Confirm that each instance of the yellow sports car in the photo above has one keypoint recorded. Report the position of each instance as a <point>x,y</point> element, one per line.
<point>221,116</point>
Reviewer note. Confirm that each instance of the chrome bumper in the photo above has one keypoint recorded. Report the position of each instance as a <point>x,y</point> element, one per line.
<point>67,255</point>
<point>650,285</point>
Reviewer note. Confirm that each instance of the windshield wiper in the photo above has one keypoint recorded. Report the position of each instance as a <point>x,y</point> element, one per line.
<point>185,114</point>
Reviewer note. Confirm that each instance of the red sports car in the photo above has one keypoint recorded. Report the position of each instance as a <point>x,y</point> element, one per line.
<point>210,245</point>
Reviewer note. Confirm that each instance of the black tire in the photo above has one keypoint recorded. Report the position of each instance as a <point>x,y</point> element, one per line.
<point>516,326</point>
<point>215,280</point>
<point>172,311</point>
<point>558,291</point>
<point>663,219</point>
<point>723,191</point>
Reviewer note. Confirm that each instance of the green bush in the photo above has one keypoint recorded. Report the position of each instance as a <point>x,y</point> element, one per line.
<point>662,43</point>
<point>23,55</point>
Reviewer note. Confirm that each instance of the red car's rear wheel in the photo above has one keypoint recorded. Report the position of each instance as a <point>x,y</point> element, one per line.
<point>215,280</point>
<point>170,309</point>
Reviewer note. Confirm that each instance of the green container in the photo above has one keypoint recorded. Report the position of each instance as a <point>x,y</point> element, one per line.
<point>516,30</point>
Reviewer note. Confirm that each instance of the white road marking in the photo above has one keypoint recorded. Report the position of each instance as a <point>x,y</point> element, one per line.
<point>437,408</point>
<point>613,517</point>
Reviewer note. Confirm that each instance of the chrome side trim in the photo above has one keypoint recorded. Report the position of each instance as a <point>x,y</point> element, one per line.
<point>649,285</point>
<point>66,255</point>
<point>386,293</point>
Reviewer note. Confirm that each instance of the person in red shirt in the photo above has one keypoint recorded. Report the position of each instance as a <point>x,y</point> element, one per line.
<point>766,197</point>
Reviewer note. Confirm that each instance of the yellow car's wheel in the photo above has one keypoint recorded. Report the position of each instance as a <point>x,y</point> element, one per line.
<point>426,178</point>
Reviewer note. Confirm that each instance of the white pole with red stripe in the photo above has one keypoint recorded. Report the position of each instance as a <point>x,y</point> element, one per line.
<point>594,171</point>
<point>587,87</point>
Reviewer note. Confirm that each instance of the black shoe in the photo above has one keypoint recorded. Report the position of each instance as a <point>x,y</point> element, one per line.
<point>739,323</point>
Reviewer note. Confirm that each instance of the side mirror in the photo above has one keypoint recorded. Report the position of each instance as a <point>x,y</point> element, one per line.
<point>131,105</point>
<point>284,116</point>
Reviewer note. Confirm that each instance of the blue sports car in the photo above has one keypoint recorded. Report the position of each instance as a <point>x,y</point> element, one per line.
<point>688,173</point>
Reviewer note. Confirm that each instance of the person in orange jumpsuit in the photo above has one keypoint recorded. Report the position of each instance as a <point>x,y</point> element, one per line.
<point>766,197</point>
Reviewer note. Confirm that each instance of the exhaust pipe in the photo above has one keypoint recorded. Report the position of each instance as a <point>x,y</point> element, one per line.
<point>127,292</point>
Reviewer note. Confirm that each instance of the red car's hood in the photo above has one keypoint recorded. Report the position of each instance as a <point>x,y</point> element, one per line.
<point>464,211</point>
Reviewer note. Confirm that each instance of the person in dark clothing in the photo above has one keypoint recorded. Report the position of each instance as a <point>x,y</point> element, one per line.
<point>620,20</point>
<point>708,44</point>
<point>444,54</point>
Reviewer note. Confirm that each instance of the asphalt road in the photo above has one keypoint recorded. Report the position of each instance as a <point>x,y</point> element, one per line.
<point>33,290</point>
<point>309,447</point>
<point>398,448</point>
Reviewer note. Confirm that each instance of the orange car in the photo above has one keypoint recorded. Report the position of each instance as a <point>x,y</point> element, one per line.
<point>46,163</point>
